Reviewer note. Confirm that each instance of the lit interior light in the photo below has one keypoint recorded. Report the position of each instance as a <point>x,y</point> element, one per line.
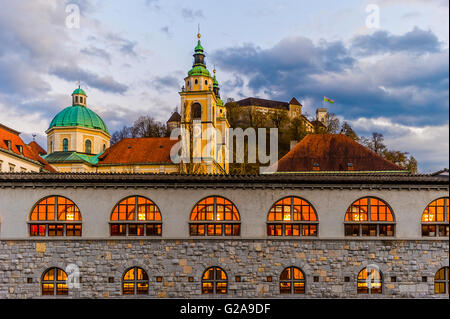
<point>70,214</point>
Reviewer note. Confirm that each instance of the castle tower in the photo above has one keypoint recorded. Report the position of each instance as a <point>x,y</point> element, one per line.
<point>203,117</point>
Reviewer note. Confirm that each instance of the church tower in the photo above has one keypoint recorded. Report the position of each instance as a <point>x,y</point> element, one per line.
<point>204,119</point>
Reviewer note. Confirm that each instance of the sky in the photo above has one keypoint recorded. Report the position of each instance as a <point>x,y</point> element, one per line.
<point>384,62</point>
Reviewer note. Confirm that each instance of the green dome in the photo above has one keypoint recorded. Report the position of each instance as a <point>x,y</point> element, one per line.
<point>78,115</point>
<point>79,91</point>
<point>199,70</point>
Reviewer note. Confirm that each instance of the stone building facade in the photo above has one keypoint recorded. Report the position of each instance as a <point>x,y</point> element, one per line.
<point>176,261</point>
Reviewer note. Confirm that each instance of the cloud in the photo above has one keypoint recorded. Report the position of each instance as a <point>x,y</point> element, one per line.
<point>190,14</point>
<point>428,144</point>
<point>415,41</point>
<point>166,30</point>
<point>167,82</point>
<point>97,52</point>
<point>104,83</point>
<point>411,88</point>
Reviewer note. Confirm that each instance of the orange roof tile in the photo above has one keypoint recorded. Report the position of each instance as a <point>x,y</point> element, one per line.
<point>8,134</point>
<point>36,147</point>
<point>139,150</point>
<point>332,152</point>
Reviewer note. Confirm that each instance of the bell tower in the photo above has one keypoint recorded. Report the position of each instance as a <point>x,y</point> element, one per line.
<point>203,118</point>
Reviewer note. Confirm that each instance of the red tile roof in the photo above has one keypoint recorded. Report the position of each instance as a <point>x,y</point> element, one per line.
<point>8,134</point>
<point>139,150</point>
<point>332,152</point>
<point>37,148</point>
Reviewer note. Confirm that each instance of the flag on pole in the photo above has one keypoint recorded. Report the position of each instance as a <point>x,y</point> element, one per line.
<point>325,99</point>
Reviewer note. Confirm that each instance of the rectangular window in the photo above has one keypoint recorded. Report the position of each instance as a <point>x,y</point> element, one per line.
<point>387,230</point>
<point>135,230</point>
<point>55,230</point>
<point>118,230</point>
<point>153,230</point>
<point>73,230</point>
<point>352,230</point>
<point>37,230</point>
<point>443,230</point>
<point>429,230</point>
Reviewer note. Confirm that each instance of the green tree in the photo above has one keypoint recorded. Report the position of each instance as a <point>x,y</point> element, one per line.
<point>346,129</point>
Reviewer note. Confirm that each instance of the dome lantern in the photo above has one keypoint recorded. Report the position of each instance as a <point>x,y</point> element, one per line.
<point>79,96</point>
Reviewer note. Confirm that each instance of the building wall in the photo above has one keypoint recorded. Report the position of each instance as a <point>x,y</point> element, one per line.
<point>176,204</point>
<point>77,137</point>
<point>254,260</point>
<point>20,165</point>
<point>176,256</point>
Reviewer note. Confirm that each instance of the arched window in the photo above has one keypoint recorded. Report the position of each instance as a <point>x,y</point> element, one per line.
<point>196,111</point>
<point>135,282</point>
<point>369,216</point>
<point>292,281</point>
<point>292,216</point>
<point>441,281</point>
<point>136,216</point>
<point>55,216</point>
<point>435,218</point>
<point>370,281</point>
<point>65,145</point>
<point>54,282</point>
<point>87,146</point>
<point>214,216</point>
<point>104,147</point>
<point>214,281</point>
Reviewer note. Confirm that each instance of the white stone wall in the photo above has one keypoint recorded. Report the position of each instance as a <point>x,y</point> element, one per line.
<point>175,204</point>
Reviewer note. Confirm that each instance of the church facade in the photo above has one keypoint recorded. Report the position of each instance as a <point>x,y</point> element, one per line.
<point>78,139</point>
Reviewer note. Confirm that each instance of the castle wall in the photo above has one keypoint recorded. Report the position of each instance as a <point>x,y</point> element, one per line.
<point>177,260</point>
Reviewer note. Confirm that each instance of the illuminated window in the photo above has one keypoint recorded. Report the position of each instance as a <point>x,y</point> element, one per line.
<point>214,216</point>
<point>292,216</point>
<point>65,145</point>
<point>369,216</point>
<point>441,281</point>
<point>135,282</point>
<point>87,146</point>
<point>55,216</point>
<point>292,281</point>
<point>214,281</point>
<point>54,282</point>
<point>369,281</point>
<point>435,218</point>
<point>136,216</point>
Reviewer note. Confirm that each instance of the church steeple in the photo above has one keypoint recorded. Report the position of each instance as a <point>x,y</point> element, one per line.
<point>199,66</point>
<point>215,84</point>
<point>199,55</point>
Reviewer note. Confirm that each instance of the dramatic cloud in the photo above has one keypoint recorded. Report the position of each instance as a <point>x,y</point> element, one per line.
<point>97,52</point>
<point>411,88</point>
<point>73,74</point>
<point>415,41</point>
<point>166,83</point>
